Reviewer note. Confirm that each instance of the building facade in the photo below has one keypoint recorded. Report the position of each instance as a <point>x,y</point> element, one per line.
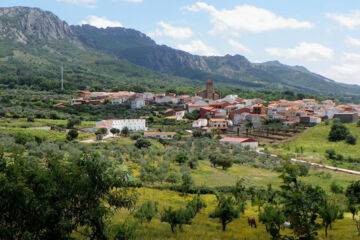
<point>131,124</point>
<point>209,92</point>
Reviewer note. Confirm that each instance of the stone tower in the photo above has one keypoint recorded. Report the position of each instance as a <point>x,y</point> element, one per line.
<point>209,89</point>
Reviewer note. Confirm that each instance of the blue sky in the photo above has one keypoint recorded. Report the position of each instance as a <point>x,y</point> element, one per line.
<point>322,35</point>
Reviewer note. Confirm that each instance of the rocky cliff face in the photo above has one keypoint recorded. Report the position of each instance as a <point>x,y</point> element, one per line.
<point>24,25</point>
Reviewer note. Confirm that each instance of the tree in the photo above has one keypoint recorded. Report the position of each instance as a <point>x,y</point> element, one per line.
<point>72,122</point>
<point>142,143</point>
<point>125,131</point>
<point>301,202</point>
<point>147,211</point>
<point>187,183</point>
<point>329,213</point>
<point>72,134</point>
<point>223,160</point>
<point>239,192</point>
<point>350,139</point>
<point>114,131</point>
<point>331,154</point>
<point>352,193</point>
<point>338,132</point>
<point>226,210</point>
<point>176,217</point>
<point>101,131</point>
<point>196,204</point>
<point>173,177</point>
<point>249,125</point>
<point>181,158</point>
<point>273,218</point>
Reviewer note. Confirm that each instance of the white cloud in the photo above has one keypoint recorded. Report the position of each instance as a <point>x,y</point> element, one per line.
<point>349,20</point>
<point>238,47</point>
<point>100,22</point>
<point>246,18</point>
<point>85,3</point>
<point>198,47</point>
<point>304,51</point>
<point>351,57</point>
<point>134,1</point>
<point>353,42</point>
<point>179,33</point>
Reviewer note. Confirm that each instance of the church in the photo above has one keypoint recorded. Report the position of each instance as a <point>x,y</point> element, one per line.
<point>209,92</point>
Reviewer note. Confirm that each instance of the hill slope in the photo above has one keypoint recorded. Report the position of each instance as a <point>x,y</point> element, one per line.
<point>34,44</point>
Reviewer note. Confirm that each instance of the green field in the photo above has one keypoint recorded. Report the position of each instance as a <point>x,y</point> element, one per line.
<point>204,228</point>
<point>312,146</point>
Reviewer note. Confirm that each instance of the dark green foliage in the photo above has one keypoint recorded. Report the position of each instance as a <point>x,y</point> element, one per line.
<point>147,211</point>
<point>226,210</point>
<point>125,131</point>
<point>273,218</point>
<point>177,217</point>
<point>115,131</point>
<point>331,153</point>
<point>350,139</point>
<point>353,193</point>
<point>142,143</point>
<point>101,131</point>
<point>338,132</point>
<point>135,136</point>
<point>194,115</point>
<point>187,183</point>
<point>301,203</point>
<point>181,158</point>
<point>223,160</point>
<point>30,119</point>
<point>72,135</point>
<point>47,196</point>
<point>72,122</point>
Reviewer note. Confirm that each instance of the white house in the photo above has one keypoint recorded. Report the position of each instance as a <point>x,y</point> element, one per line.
<point>137,103</point>
<point>244,142</point>
<point>131,124</point>
<point>162,135</point>
<point>201,122</point>
<point>166,99</point>
<point>179,115</point>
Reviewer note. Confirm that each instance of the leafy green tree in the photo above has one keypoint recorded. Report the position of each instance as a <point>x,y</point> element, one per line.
<point>173,177</point>
<point>177,217</point>
<point>301,203</point>
<point>114,131</point>
<point>72,122</point>
<point>335,188</point>
<point>187,183</point>
<point>223,160</point>
<point>239,192</point>
<point>142,143</point>
<point>338,132</point>
<point>101,131</point>
<point>72,135</point>
<point>125,131</point>
<point>196,204</point>
<point>329,212</point>
<point>181,158</point>
<point>331,154</point>
<point>226,210</point>
<point>273,218</point>
<point>352,194</point>
<point>125,231</point>
<point>147,211</point>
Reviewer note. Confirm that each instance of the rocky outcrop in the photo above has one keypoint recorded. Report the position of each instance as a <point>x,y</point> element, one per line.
<point>23,24</point>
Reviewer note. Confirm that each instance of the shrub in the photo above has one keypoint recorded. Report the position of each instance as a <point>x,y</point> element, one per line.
<point>142,143</point>
<point>338,132</point>
<point>350,139</point>
<point>335,188</point>
<point>135,136</point>
<point>30,119</point>
<point>331,154</point>
<point>72,134</point>
<point>147,211</point>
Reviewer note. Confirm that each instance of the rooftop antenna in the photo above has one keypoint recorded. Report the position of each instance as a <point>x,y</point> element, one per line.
<point>62,77</point>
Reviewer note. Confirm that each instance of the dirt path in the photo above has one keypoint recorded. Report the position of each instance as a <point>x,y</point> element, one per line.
<point>318,165</point>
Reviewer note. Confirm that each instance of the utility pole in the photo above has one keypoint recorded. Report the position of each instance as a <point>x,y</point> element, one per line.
<point>62,77</point>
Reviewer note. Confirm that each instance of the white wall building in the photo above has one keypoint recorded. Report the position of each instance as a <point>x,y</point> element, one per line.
<point>138,103</point>
<point>180,115</point>
<point>201,122</point>
<point>131,124</point>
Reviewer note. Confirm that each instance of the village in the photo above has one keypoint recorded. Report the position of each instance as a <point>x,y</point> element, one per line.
<point>239,121</point>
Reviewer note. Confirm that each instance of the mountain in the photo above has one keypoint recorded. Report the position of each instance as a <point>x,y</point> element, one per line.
<point>35,43</point>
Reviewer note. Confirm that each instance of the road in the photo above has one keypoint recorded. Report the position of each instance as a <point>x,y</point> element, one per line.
<point>319,165</point>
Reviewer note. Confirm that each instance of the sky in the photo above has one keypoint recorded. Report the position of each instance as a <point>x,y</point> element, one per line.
<point>321,35</point>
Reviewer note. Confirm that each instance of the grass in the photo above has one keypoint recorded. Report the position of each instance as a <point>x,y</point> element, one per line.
<point>206,228</point>
<point>312,146</point>
<point>51,136</point>
<point>23,123</point>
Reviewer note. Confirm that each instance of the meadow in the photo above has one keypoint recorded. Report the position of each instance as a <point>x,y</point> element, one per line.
<point>312,146</point>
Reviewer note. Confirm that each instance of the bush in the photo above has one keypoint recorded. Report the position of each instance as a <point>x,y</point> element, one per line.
<point>338,132</point>
<point>125,231</point>
<point>147,211</point>
<point>135,136</point>
<point>72,134</point>
<point>331,154</point>
<point>350,139</point>
<point>30,119</point>
<point>142,143</point>
<point>335,188</point>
